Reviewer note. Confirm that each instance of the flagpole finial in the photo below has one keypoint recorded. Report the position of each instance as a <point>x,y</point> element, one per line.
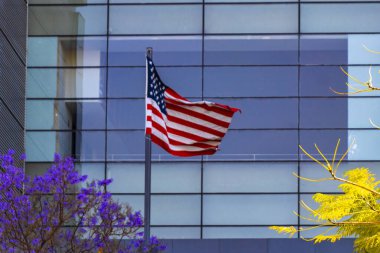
<point>149,52</point>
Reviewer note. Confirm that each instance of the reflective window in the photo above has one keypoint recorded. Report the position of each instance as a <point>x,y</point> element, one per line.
<point>166,19</point>
<point>66,83</point>
<point>127,177</point>
<point>176,177</point>
<point>315,171</point>
<point>245,50</point>
<point>263,113</point>
<point>126,114</point>
<point>168,50</point>
<point>66,51</point>
<point>155,1</point>
<point>84,146</point>
<point>67,1</point>
<point>240,233</point>
<point>176,232</point>
<point>258,145</point>
<point>36,169</point>
<point>65,114</point>
<point>258,18</point>
<point>67,20</point>
<point>94,171</point>
<point>249,209</point>
<point>176,210</point>
<point>135,201</point>
<point>129,82</point>
<point>330,18</point>
<point>249,177</point>
<point>250,81</point>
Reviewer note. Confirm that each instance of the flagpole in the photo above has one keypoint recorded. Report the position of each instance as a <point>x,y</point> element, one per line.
<point>148,167</point>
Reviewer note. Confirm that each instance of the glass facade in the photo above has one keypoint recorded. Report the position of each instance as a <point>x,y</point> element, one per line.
<point>276,60</point>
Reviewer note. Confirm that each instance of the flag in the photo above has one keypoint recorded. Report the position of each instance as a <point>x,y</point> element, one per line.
<point>181,127</point>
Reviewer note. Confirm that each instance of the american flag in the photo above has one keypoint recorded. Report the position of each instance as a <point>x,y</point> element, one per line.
<point>181,127</point>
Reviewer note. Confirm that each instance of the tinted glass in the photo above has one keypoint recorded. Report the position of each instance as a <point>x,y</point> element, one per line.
<point>127,177</point>
<point>168,50</point>
<point>274,18</point>
<point>66,83</point>
<point>250,81</point>
<point>240,233</point>
<point>247,50</point>
<point>67,20</point>
<point>167,19</point>
<point>126,114</point>
<point>66,51</point>
<point>66,1</point>
<point>177,232</point>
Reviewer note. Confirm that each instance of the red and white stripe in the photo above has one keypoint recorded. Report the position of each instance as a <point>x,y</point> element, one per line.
<point>189,128</point>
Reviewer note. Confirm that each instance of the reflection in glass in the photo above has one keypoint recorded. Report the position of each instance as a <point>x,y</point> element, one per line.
<point>166,19</point>
<point>250,81</point>
<point>67,20</point>
<point>177,232</point>
<point>126,114</point>
<point>258,18</point>
<point>65,114</point>
<point>240,233</point>
<point>67,1</point>
<point>84,146</point>
<point>247,50</point>
<point>66,83</point>
<point>66,51</point>
<point>168,50</point>
<point>127,177</point>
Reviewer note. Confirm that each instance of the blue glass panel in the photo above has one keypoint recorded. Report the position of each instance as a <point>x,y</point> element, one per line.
<point>334,18</point>
<point>250,81</point>
<point>258,145</point>
<point>324,112</point>
<point>130,82</point>
<point>66,83</point>
<point>273,18</point>
<point>240,233</point>
<point>65,114</point>
<point>67,20</point>
<point>263,113</point>
<point>168,50</point>
<point>176,177</point>
<point>249,209</point>
<point>176,232</point>
<point>127,177</point>
<point>67,1</point>
<point>126,114</point>
<point>84,146</point>
<point>323,49</point>
<point>66,51</point>
<point>136,202</point>
<point>166,19</point>
<point>249,177</point>
<point>176,210</point>
<point>246,50</point>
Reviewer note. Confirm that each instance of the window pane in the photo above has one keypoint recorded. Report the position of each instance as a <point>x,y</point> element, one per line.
<point>167,19</point>
<point>84,146</point>
<point>324,18</point>
<point>155,1</point>
<point>130,82</point>
<point>249,177</point>
<point>65,114</point>
<point>36,169</point>
<point>94,171</point>
<point>67,20</point>
<point>136,202</point>
<point>249,209</point>
<point>176,210</point>
<point>274,18</point>
<point>126,114</point>
<point>66,83</point>
<point>245,50</point>
<point>263,113</point>
<point>127,177</point>
<point>315,171</point>
<point>168,50</point>
<point>176,232</point>
<point>66,51</point>
<point>66,1</point>
<point>258,145</point>
<point>240,233</point>
<point>250,81</point>
<point>176,177</point>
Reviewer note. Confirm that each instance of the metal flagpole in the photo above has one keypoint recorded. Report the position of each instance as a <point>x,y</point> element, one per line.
<point>148,168</point>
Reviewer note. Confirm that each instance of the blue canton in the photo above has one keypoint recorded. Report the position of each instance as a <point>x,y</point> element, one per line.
<point>156,88</point>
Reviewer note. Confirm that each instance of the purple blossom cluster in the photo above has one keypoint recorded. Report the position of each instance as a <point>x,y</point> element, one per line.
<point>55,213</point>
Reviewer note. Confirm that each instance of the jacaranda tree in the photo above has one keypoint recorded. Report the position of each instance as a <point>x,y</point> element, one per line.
<point>59,212</point>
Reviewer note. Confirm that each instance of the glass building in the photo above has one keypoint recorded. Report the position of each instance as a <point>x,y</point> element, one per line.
<point>277,61</point>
